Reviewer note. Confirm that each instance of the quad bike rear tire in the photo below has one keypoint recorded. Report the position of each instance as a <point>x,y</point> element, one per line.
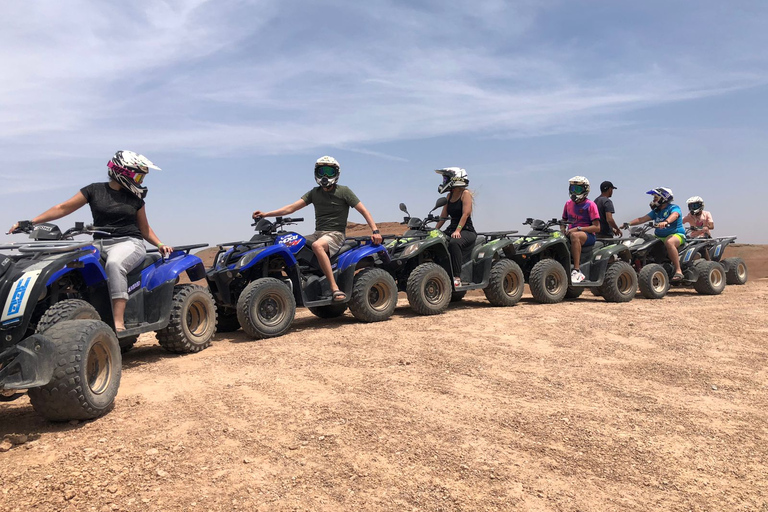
<point>86,375</point>
<point>548,281</point>
<point>711,279</point>
<point>620,283</point>
<point>429,289</point>
<point>505,284</point>
<point>68,309</point>
<point>329,311</point>
<point>193,320</point>
<point>653,281</point>
<point>266,308</point>
<point>374,295</point>
<point>735,271</point>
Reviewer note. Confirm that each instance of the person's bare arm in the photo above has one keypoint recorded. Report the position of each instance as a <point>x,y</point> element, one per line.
<point>285,210</point>
<point>60,210</point>
<point>612,223</point>
<point>148,233</point>
<point>375,237</point>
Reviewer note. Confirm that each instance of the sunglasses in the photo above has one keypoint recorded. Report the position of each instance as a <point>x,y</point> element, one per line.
<point>326,171</point>
<point>577,189</point>
<point>137,177</point>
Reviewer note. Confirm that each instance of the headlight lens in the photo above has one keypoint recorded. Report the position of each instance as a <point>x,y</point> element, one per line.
<point>245,260</point>
<point>411,249</point>
<point>534,247</point>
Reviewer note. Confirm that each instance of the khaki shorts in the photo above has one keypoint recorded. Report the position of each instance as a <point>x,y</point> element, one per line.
<point>335,239</point>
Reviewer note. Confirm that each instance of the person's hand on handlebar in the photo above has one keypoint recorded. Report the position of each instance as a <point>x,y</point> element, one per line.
<point>376,238</point>
<point>258,214</point>
<point>624,226</point>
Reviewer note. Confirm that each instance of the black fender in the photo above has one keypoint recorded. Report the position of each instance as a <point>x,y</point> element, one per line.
<point>28,364</point>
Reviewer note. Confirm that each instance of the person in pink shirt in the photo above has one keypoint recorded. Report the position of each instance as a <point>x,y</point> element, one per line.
<point>583,222</point>
<point>698,219</point>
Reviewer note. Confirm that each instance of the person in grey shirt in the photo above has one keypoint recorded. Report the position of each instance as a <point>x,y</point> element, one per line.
<point>332,203</point>
<point>608,226</point>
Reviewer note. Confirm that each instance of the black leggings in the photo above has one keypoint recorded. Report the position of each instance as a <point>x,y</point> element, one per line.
<point>458,246</point>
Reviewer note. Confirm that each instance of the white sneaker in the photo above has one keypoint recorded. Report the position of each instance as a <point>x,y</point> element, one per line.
<point>577,276</point>
<point>456,282</point>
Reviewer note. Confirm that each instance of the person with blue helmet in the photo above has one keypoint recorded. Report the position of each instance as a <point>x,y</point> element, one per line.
<point>668,218</point>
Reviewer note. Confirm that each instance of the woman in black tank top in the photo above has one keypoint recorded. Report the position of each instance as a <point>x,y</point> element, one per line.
<point>460,230</point>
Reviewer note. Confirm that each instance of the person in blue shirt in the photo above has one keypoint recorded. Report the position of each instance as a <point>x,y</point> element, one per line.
<point>668,218</point>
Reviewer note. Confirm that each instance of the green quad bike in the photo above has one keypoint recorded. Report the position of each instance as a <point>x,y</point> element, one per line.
<point>421,265</point>
<point>544,255</point>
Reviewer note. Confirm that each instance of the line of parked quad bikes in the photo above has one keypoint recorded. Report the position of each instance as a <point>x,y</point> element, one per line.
<point>57,340</point>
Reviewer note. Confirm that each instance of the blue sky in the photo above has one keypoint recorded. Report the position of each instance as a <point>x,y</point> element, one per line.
<point>235,100</point>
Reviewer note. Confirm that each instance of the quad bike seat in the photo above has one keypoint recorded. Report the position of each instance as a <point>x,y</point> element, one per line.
<point>586,251</point>
<point>348,245</point>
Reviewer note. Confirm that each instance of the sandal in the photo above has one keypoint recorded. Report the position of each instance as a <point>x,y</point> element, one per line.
<point>677,277</point>
<point>339,296</point>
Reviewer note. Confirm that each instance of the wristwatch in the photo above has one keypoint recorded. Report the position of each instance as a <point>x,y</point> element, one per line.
<point>578,228</point>
<point>375,231</point>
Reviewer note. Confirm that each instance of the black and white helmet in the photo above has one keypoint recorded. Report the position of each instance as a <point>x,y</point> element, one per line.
<point>695,205</point>
<point>327,171</point>
<point>452,177</point>
<point>578,188</point>
<point>128,169</point>
<point>662,196</point>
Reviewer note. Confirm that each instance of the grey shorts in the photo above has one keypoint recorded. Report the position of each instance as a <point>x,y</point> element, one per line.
<point>335,239</point>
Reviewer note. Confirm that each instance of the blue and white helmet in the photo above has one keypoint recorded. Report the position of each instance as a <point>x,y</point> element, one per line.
<point>662,196</point>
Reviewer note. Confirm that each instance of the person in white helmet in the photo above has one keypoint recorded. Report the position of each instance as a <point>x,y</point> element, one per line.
<point>332,203</point>
<point>118,206</point>
<point>669,225</point>
<point>583,222</point>
<point>698,218</point>
<point>460,230</point>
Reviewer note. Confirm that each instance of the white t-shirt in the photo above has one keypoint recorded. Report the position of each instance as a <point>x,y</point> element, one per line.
<point>698,222</point>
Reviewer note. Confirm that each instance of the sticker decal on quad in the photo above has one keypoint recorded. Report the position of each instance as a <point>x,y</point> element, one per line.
<point>134,286</point>
<point>17,299</point>
<point>289,240</point>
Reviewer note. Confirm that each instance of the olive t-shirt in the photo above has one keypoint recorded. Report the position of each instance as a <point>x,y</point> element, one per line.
<point>114,209</point>
<point>331,208</point>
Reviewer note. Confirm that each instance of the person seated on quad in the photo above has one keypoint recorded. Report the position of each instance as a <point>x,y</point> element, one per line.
<point>119,206</point>
<point>583,222</point>
<point>461,232</point>
<point>698,218</point>
<point>332,203</point>
<point>668,218</point>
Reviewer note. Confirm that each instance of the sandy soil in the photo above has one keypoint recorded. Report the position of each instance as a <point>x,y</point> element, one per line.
<point>584,405</point>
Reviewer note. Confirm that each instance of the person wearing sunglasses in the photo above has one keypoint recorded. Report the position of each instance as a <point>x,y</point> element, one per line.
<point>583,222</point>
<point>332,203</point>
<point>118,209</point>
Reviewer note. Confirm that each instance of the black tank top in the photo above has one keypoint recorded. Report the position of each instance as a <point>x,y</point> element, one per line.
<point>455,210</point>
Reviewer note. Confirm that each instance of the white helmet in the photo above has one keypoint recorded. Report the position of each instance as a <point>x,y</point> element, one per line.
<point>327,171</point>
<point>578,188</point>
<point>128,169</point>
<point>452,177</point>
<point>661,197</point>
<point>695,205</point>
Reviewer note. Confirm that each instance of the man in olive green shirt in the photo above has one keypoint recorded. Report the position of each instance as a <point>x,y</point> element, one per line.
<point>332,203</point>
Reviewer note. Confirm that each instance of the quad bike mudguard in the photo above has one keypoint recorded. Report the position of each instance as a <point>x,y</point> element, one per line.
<point>28,364</point>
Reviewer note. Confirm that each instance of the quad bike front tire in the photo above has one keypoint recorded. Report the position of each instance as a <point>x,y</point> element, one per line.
<point>505,284</point>
<point>620,283</point>
<point>87,372</point>
<point>266,308</point>
<point>193,320</point>
<point>429,289</point>
<point>548,281</point>
<point>711,279</point>
<point>68,309</point>
<point>653,281</point>
<point>735,271</point>
<point>374,295</point>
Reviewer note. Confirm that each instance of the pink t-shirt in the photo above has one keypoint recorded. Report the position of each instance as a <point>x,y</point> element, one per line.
<point>698,222</point>
<point>580,214</point>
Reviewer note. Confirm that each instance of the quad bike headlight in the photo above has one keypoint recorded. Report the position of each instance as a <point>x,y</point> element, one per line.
<point>245,260</point>
<point>534,247</point>
<point>411,249</point>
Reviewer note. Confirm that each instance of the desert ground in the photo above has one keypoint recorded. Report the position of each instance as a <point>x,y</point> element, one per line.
<point>583,405</point>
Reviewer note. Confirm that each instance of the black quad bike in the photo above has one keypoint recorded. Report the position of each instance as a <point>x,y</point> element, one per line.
<point>647,250</point>
<point>57,338</point>
<point>735,267</point>
<point>259,282</point>
<point>545,257</point>
<point>421,266</point>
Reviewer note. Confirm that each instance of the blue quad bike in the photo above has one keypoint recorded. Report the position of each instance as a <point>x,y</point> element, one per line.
<point>544,255</point>
<point>258,283</point>
<point>57,338</point>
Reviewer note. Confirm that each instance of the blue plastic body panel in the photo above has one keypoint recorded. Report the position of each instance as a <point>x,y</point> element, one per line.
<point>352,257</point>
<point>92,270</point>
<point>163,271</point>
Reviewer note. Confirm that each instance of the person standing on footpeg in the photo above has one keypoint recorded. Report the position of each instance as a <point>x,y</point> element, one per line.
<point>332,203</point>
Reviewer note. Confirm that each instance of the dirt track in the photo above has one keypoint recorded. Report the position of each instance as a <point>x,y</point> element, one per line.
<point>650,405</point>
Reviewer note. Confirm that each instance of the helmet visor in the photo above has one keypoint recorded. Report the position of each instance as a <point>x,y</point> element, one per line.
<point>577,189</point>
<point>137,177</point>
<point>695,206</point>
<point>326,171</point>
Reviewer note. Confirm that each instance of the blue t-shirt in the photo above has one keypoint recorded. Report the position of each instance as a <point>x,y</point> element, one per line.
<point>675,227</point>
